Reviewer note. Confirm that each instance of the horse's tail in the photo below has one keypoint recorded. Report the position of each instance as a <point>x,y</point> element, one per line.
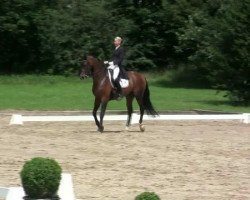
<point>147,102</point>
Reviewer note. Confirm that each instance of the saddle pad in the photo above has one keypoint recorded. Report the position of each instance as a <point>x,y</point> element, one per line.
<point>123,83</point>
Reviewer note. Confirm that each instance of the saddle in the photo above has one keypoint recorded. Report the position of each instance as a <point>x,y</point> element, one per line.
<point>116,76</point>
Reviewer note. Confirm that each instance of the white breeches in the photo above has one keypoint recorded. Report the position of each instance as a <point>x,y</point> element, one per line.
<point>115,69</point>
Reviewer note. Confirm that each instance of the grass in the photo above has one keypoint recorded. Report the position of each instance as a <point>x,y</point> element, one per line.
<point>31,92</point>
<point>44,93</point>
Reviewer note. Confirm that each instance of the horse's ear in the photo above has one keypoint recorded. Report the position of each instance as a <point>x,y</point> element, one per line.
<point>89,56</point>
<point>84,62</point>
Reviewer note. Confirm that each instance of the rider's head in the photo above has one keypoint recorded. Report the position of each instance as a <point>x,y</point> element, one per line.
<point>117,41</point>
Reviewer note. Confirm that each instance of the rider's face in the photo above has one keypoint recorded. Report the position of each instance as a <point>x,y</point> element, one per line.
<point>117,42</point>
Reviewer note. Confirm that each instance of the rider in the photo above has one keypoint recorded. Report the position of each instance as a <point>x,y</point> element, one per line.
<point>117,59</point>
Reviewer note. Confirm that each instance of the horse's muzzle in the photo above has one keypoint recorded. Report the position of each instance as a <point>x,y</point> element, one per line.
<point>83,76</point>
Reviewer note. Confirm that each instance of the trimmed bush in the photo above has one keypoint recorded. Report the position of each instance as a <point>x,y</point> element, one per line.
<point>147,196</point>
<point>41,178</point>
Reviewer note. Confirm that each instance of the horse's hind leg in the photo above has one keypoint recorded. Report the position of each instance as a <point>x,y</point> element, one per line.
<point>140,102</point>
<point>130,110</point>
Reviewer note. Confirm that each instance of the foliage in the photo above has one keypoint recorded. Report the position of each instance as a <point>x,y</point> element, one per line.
<point>210,38</point>
<point>218,42</point>
<point>41,177</point>
<point>147,196</point>
<point>41,36</point>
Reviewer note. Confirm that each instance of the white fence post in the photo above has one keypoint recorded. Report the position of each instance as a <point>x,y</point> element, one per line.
<point>3,192</point>
<point>65,191</point>
<point>246,118</point>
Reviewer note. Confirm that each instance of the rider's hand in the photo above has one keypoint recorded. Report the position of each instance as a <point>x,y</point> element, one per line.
<point>106,62</point>
<point>111,63</point>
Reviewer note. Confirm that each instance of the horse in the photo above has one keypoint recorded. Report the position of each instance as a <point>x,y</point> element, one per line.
<point>104,92</point>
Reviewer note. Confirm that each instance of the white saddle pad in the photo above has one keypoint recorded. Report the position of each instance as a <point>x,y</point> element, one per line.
<point>123,83</point>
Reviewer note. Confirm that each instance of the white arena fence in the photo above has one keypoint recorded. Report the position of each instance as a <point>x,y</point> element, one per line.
<point>20,119</point>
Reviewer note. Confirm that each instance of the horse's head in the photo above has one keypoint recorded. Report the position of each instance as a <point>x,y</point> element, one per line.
<point>87,68</point>
<point>83,72</point>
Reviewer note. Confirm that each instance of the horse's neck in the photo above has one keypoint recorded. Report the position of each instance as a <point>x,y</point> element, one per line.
<point>99,73</point>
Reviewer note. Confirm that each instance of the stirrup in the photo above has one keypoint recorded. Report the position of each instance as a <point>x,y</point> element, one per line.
<point>120,96</point>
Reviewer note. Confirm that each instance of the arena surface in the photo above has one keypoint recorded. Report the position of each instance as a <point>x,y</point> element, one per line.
<point>191,160</point>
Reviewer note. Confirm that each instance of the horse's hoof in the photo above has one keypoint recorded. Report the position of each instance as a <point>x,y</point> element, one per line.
<point>142,128</point>
<point>127,128</point>
<point>100,129</point>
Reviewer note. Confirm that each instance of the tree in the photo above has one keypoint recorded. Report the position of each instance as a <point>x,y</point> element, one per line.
<point>219,40</point>
<point>51,36</point>
<point>17,33</point>
<point>143,24</point>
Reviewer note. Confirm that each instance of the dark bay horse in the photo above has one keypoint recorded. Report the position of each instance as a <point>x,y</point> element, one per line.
<point>103,91</point>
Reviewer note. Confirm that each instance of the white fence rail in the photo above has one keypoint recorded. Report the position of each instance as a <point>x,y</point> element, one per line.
<point>19,119</point>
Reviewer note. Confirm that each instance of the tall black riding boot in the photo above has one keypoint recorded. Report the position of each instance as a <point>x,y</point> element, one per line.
<point>118,88</point>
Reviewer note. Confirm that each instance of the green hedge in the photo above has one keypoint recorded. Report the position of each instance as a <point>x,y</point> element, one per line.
<point>147,196</point>
<point>41,178</point>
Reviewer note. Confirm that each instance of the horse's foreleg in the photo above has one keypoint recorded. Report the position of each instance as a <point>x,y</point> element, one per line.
<point>130,110</point>
<point>103,109</point>
<point>94,112</point>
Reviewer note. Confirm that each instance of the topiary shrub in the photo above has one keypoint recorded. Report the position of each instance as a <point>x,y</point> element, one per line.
<point>41,178</point>
<point>147,196</point>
